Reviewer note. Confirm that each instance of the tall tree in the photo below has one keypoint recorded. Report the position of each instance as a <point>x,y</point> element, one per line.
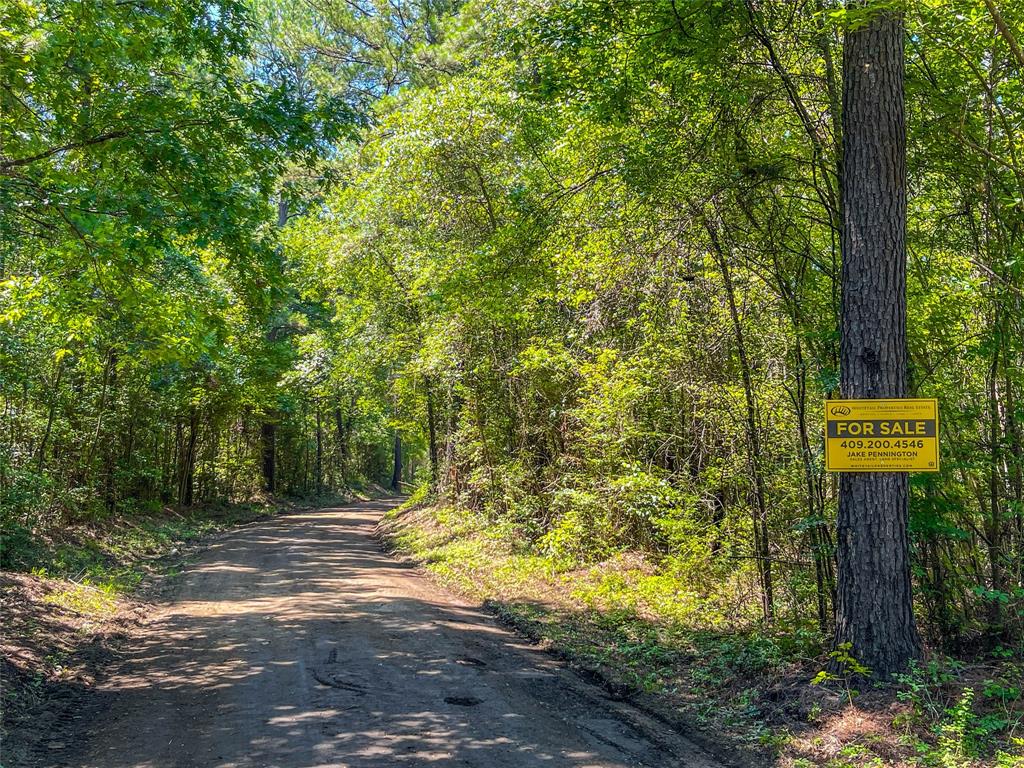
<point>874,607</point>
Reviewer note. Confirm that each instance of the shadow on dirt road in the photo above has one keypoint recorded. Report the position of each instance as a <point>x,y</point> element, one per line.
<point>296,643</point>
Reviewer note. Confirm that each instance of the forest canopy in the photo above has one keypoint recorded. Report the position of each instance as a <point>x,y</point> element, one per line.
<point>572,267</point>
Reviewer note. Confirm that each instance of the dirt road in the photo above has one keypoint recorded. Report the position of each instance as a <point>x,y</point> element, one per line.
<point>296,643</point>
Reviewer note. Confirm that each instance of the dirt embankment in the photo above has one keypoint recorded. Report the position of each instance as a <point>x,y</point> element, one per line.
<point>58,637</point>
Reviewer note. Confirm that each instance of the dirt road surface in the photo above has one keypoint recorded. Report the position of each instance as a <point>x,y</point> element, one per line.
<point>297,643</point>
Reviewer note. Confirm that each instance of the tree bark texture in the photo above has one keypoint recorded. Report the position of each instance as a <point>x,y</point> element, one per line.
<point>874,608</point>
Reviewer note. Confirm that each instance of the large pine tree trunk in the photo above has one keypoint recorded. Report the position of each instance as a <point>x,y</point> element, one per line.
<point>874,609</point>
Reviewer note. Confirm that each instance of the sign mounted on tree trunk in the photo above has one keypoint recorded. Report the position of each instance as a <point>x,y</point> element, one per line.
<point>882,435</point>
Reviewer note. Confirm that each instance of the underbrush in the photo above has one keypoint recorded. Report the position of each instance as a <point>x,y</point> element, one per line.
<point>653,633</point>
<point>113,555</point>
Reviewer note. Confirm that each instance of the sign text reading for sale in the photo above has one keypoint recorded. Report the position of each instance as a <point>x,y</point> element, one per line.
<point>882,435</point>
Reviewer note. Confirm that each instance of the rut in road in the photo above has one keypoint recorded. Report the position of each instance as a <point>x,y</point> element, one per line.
<point>296,643</point>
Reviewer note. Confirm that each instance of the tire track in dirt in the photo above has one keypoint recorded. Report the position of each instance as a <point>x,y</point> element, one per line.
<point>297,643</point>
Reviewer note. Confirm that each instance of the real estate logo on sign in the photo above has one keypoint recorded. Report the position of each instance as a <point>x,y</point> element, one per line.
<point>882,435</point>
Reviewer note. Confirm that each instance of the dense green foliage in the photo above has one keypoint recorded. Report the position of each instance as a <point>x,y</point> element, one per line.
<point>581,264</point>
<point>146,319</point>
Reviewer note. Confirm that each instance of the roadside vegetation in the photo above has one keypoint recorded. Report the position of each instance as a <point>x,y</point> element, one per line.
<point>749,694</point>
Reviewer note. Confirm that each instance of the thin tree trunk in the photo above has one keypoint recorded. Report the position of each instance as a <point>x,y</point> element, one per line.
<point>343,431</point>
<point>1015,450</point>
<point>318,479</point>
<point>268,445</point>
<point>186,478</point>
<point>995,524</point>
<point>396,474</point>
<point>762,552</point>
<point>101,410</point>
<point>268,431</point>
<point>825,591</point>
<point>342,440</point>
<point>54,398</point>
<point>432,433</point>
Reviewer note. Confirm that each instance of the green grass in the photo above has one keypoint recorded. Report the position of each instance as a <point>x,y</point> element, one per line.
<point>88,600</point>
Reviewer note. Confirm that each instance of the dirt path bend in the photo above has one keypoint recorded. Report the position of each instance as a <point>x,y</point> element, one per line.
<point>296,643</point>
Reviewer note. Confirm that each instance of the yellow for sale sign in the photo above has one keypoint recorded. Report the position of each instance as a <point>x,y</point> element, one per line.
<point>882,435</point>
